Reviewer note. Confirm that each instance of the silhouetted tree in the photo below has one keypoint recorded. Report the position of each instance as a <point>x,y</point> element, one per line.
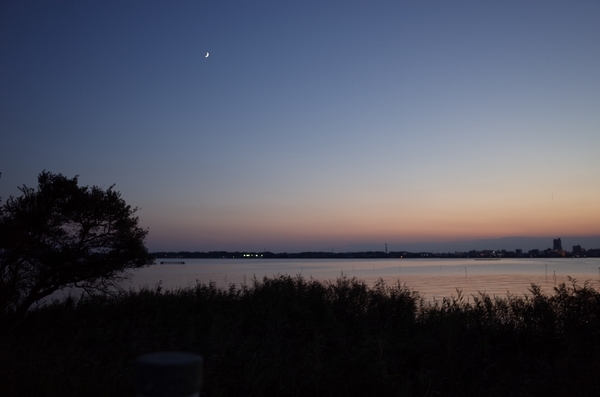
<point>65,235</point>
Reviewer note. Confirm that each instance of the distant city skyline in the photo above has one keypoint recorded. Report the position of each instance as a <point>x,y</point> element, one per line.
<point>507,243</point>
<point>487,253</point>
<point>511,244</point>
<point>434,126</point>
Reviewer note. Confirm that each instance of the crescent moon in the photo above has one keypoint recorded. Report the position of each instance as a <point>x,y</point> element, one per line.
<point>206,56</point>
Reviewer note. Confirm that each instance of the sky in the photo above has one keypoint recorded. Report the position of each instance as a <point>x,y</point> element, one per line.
<point>314,125</point>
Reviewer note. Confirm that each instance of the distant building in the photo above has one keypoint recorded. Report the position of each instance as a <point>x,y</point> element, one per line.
<point>557,244</point>
<point>577,249</point>
<point>519,251</point>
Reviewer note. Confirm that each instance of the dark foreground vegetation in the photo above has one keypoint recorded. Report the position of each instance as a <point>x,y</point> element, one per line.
<point>296,337</point>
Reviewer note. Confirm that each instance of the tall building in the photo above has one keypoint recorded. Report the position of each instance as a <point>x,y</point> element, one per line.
<point>557,244</point>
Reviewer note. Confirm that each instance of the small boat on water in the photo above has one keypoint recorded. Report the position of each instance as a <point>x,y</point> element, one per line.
<point>172,263</point>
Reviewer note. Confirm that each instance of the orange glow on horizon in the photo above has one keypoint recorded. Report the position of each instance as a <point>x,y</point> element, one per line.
<point>373,217</point>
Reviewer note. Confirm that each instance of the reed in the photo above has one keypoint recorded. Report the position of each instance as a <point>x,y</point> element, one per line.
<point>292,336</point>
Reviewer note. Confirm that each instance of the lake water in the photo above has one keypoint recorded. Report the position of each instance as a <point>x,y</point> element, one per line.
<point>433,278</point>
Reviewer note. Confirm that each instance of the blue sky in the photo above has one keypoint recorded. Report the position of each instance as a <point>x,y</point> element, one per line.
<point>312,125</point>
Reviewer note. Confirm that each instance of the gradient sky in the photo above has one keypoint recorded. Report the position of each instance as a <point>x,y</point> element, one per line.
<point>329,125</point>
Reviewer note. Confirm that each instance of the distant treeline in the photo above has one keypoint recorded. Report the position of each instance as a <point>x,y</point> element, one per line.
<point>377,254</point>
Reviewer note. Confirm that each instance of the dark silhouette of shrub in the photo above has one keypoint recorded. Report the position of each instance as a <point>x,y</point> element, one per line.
<point>65,235</point>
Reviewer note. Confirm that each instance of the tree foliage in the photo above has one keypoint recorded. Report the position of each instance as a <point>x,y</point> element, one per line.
<point>65,235</point>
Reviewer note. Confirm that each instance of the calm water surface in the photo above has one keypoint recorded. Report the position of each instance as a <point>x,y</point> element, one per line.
<point>433,278</point>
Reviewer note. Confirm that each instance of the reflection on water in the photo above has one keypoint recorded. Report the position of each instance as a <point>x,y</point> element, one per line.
<point>433,278</point>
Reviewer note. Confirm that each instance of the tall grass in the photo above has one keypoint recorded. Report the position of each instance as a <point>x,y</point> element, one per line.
<point>296,337</point>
